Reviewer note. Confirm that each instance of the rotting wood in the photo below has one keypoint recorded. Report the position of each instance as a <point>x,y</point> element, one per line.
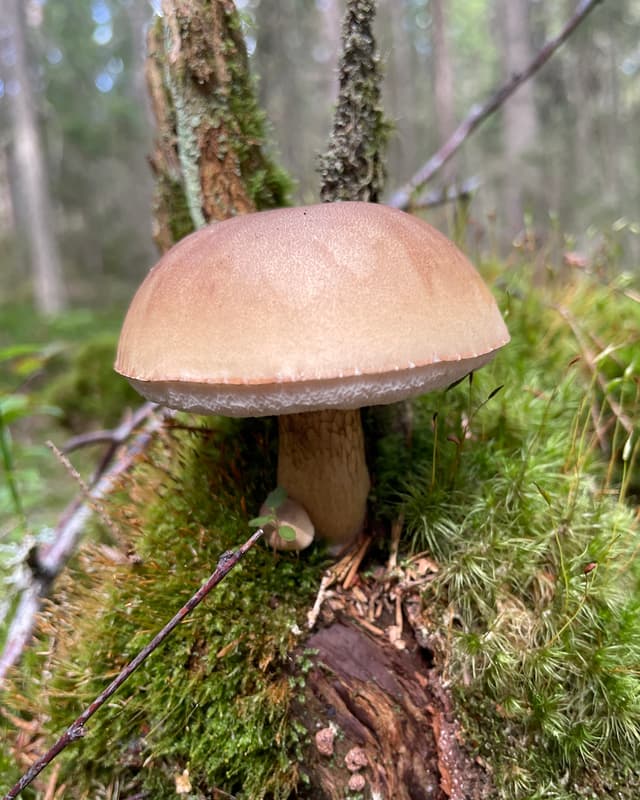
<point>392,704</point>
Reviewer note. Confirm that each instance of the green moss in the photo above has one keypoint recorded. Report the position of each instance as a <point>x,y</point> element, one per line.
<point>180,222</point>
<point>214,700</point>
<point>535,609</point>
<point>88,392</point>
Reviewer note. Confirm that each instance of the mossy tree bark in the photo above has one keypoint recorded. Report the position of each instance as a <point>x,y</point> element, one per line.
<point>353,166</point>
<point>209,160</point>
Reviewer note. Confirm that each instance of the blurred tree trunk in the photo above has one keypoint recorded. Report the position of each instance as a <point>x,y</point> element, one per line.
<point>31,187</point>
<point>295,58</point>
<point>443,80</point>
<point>519,115</point>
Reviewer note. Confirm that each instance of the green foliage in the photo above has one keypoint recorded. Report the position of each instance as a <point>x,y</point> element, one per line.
<point>87,391</point>
<point>21,483</point>
<point>273,502</point>
<point>536,607</point>
<point>42,384</point>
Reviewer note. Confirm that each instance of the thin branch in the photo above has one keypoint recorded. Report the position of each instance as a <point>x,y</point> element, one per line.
<point>76,730</point>
<point>116,436</point>
<point>479,113</point>
<point>47,561</point>
<point>448,194</point>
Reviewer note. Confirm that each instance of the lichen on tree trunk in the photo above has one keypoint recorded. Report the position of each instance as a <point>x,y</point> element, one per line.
<point>209,160</point>
<point>353,166</point>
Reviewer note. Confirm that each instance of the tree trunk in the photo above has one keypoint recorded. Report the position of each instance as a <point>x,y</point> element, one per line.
<point>520,119</point>
<point>353,167</point>
<point>209,161</point>
<point>37,224</point>
<point>443,80</point>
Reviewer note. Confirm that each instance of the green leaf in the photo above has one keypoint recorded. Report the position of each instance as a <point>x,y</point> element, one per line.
<point>13,407</point>
<point>276,498</point>
<point>26,366</point>
<point>287,533</point>
<point>18,350</point>
<point>260,522</point>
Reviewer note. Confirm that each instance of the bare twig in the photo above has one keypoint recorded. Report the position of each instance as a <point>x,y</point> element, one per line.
<point>356,560</point>
<point>449,194</point>
<point>47,561</point>
<point>328,579</point>
<point>84,489</point>
<point>76,730</point>
<point>479,113</point>
<point>117,436</point>
<point>396,531</point>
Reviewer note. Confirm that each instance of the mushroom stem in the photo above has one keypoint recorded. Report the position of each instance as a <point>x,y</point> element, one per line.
<point>322,465</point>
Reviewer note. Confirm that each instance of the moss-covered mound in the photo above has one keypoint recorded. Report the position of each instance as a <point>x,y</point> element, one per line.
<point>210,708</point>
<point>522,485</point>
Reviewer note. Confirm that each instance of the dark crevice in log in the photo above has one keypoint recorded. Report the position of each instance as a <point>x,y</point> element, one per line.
<point>391,704</point>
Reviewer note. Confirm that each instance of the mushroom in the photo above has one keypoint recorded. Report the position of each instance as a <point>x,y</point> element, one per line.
<point>310,313</point>
<point>291,515</point>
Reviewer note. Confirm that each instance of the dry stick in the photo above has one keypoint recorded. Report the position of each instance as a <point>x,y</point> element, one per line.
<point>49,560</point>
<point>85,490</point>
<point>478,114</point>
<point>448,194</point>
<point>116,436</point>
<point>76,730</point>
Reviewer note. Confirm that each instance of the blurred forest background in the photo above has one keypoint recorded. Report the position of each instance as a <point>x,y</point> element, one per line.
<point>556,167</point>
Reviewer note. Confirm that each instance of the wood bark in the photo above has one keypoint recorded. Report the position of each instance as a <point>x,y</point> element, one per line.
<point>209,160</point>
<point>519,116</point>
<point>382,714</point>
<point>37,222</point>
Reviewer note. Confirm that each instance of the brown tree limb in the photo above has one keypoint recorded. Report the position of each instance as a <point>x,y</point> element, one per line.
<point>76,730</point>
<point>47,561</point>
<point>402,198</point>
<point>116,436</point>
<point>455,193</point>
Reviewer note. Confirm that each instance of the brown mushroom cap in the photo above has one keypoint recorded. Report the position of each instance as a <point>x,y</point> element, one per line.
<point>328,306</point>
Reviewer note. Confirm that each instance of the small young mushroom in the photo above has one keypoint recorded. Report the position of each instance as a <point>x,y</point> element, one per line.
<point>291,515</point>
<point>310,313</point>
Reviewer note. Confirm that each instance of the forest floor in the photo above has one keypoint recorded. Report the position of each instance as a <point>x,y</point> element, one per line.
<point>512,600</point>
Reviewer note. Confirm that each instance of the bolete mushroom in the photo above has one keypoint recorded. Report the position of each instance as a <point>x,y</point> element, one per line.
<point>310,313</point>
